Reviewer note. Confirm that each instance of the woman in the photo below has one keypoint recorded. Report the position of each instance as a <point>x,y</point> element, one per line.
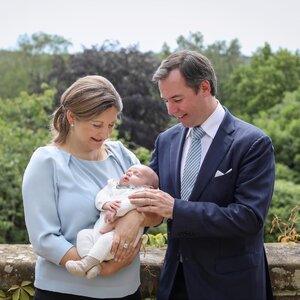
<point>59,188</point>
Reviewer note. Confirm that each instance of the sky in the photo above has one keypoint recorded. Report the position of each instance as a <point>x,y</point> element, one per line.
<point>150,23</point>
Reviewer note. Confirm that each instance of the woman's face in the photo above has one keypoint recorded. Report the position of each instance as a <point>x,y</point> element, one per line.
<point>90,135</point>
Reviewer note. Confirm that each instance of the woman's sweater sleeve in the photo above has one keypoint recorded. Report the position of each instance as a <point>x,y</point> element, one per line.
<point>40,193</point>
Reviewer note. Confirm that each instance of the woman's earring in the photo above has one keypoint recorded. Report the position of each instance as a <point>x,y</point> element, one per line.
<point>72,124</point>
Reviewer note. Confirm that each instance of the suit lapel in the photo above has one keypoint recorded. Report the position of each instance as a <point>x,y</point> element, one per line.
<point>216,152</point>
<point>177,142</point>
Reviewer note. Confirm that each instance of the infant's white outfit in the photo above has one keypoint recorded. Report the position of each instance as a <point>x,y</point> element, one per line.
<point>92,243</point>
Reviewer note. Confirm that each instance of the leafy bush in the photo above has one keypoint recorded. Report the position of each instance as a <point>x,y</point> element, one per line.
<point>24,291</point>
<point>23,127</point>
<point>287,228</point>
<point>286,197</point>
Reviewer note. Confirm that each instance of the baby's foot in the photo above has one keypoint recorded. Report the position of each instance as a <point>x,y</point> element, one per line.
<point>76,267</point>
<point>93,272</point>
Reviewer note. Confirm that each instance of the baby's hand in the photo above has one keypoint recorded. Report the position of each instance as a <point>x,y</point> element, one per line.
<point>110,216</point>
<point>112,205</point>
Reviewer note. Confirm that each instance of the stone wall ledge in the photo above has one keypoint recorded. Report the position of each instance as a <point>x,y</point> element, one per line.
<point>17,264</point>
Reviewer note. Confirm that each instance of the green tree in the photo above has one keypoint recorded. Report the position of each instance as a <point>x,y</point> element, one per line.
<point>40,43</point>
<point>266,92</point>
<point>281,122</point>
<point>194,41</point>
<point>164,52</point>
<point>14,76</point>
<point>224,57</point>
<point>261,84</point>
<point>38,52</point>
<point>23,127</point>
<point>27,67</point>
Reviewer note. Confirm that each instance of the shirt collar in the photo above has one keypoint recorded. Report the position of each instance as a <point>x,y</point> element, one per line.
<point>212,124</point>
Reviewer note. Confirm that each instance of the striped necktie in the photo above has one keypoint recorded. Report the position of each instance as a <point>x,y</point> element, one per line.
<point>192,163</point>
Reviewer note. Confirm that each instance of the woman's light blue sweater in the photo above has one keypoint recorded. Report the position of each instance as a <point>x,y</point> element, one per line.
<point>59,193</point>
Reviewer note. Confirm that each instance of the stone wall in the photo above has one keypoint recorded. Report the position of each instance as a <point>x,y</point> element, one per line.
<point>17,264</point>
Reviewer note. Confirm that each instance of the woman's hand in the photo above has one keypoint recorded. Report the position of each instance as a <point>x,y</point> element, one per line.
<point>126,231</point>
<point>111,266</point>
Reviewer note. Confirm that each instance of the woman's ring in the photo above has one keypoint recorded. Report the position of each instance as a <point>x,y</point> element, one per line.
<point>125,246</point>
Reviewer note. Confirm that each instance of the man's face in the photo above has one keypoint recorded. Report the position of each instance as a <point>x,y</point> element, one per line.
<point>181,100</point>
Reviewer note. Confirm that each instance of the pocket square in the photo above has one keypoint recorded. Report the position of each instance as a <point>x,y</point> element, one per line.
<point>219,173</point>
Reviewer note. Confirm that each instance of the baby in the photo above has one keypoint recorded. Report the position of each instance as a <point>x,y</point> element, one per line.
<point>94,247</point>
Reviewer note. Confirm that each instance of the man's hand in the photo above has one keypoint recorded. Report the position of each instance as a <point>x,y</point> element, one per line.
<point>154,201</point>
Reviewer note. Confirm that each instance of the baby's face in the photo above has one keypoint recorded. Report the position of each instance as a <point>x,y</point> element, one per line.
<point>135,175</point>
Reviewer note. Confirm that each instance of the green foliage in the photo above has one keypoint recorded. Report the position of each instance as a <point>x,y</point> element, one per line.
<point>22,129</point>
<point>24,291</point>
<point>286,197</point>
<point>14,76</point>
<point>261,84</point>
<point>159,240</point>
<point>194,42</point>
<point>223,57</point>
<point>143,155</point>
<point>28,67</point>
<point>164,52</point>
<point>283,172</point>
<point>162,228</point>
<point>281,122</point>
<point>41,42</point>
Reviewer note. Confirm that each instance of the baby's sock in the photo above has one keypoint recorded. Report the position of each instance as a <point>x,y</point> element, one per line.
<point>80,267</point>
<point>93,272</point>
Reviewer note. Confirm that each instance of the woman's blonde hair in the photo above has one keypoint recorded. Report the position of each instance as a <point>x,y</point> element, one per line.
<point>86,98</point>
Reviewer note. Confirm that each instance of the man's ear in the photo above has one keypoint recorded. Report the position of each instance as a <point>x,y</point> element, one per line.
<point>205,87</point>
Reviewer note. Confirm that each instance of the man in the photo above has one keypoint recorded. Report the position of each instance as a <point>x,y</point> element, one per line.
<point>215,221</point>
